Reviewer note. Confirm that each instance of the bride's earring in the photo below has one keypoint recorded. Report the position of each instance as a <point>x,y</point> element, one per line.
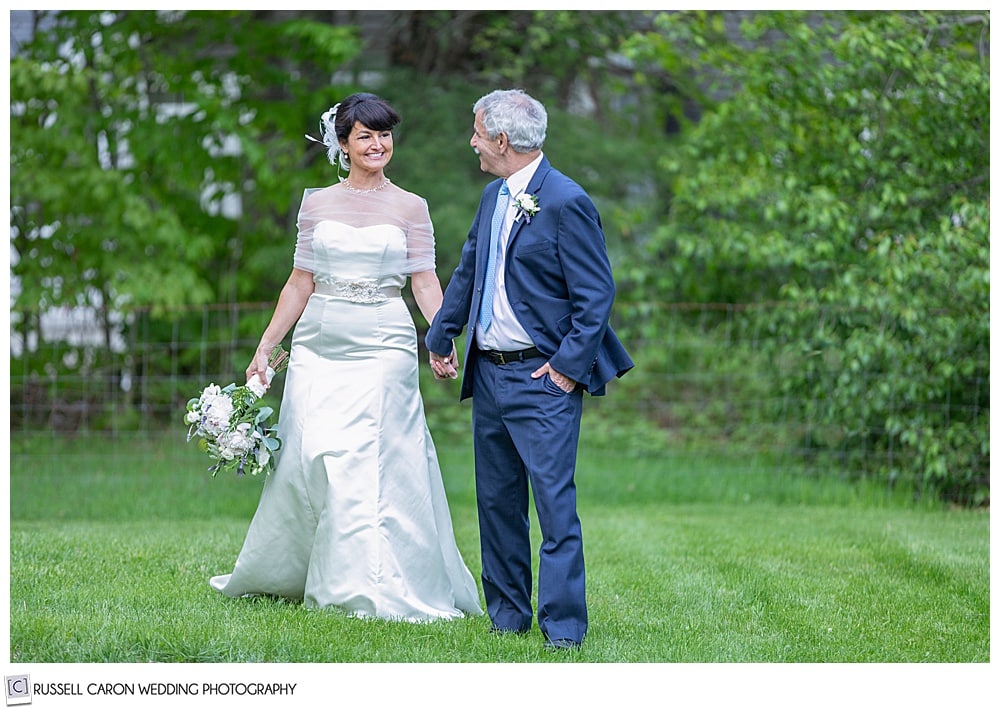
<point>343,162</point>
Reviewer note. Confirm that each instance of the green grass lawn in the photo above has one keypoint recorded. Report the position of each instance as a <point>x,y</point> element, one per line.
<point>691,559</point>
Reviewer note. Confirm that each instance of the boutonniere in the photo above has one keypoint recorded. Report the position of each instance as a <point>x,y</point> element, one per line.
<point>527,206</point>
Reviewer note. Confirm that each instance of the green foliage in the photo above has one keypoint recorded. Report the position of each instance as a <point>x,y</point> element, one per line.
<point>836,162</point>
<point>133,134</point>
<point>131,130</point>
<point>844,162</point>
<point>903,367</point>
<point>434,159</point>
<point>551,52</point>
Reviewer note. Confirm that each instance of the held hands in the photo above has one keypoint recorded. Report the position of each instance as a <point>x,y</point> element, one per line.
<point>445,367</point>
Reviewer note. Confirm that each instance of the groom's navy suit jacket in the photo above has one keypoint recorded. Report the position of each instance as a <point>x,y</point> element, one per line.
<point>558,281</point>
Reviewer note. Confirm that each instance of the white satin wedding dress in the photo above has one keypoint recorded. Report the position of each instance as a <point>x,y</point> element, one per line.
<point>354,515</point>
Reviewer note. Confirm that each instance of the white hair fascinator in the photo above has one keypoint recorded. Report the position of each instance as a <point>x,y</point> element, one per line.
<point>329,132</point>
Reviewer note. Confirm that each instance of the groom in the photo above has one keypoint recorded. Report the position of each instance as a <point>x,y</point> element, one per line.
<point>535,286</point>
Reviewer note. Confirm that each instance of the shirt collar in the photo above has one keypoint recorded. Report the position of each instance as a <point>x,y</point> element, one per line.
<point>518,182</point>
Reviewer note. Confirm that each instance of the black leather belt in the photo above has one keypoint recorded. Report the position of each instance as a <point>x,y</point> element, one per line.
<point>499,357</point>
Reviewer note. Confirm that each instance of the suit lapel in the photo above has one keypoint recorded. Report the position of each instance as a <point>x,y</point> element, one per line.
<point>534,185</point>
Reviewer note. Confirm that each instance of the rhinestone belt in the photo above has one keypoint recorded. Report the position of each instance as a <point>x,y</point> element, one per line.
<point>357,291</point>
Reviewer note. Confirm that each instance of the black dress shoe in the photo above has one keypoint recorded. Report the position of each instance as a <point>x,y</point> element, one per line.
<point>561,645</point>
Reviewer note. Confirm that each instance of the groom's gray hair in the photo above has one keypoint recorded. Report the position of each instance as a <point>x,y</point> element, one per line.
<point>515,113</point>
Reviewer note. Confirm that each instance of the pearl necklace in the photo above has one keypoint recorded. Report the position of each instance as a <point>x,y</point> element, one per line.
<point>349,186</point>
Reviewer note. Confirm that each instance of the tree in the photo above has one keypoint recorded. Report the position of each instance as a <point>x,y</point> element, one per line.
<point>158,157</point>
<point>152,162</point>
<point>149,149</point>
<point>841,165</point>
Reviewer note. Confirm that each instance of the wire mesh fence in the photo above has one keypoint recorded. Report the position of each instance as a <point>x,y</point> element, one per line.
<point>711,377</point>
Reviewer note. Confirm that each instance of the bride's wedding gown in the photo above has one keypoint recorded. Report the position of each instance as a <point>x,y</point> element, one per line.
<point>354,515</point>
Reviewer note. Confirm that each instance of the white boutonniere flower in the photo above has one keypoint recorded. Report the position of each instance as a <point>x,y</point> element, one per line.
<point>527,206</point>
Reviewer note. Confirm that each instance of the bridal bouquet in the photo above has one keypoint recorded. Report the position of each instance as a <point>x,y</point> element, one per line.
<point>232,423</point>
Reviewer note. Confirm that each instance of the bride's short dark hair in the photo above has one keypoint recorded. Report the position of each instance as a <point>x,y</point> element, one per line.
<point>367,109</point>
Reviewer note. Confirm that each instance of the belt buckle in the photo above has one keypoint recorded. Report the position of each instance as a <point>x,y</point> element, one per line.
<point>501,360</point>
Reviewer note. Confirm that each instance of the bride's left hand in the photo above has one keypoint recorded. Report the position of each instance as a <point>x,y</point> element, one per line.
<point>445,366</point>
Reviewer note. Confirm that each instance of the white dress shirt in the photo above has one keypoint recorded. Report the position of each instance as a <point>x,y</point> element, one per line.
<point>506,333</point>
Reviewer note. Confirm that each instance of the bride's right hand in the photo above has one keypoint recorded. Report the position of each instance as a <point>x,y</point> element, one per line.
<point>258,365</point>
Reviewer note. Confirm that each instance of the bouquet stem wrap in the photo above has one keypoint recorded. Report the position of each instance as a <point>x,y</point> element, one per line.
<point>256,386</point>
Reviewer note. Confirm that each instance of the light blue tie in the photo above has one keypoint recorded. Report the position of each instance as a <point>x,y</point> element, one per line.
<point>489,286</point>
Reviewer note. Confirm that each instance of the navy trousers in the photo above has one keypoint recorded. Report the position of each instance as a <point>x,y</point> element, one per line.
<point>526,433</point>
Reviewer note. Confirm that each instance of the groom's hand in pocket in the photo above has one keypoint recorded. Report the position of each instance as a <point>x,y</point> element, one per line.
<point>564,383</point>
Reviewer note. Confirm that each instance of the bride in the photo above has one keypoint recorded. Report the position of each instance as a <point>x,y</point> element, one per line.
<point>354,515</point>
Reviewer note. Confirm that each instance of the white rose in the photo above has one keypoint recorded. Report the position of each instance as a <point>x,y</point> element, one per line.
<point>237,442</point>
<point>210,392</point>
<point>217,415</point>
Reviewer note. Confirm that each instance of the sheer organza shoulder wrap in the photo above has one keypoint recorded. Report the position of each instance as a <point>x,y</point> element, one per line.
<point>389,206</point>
